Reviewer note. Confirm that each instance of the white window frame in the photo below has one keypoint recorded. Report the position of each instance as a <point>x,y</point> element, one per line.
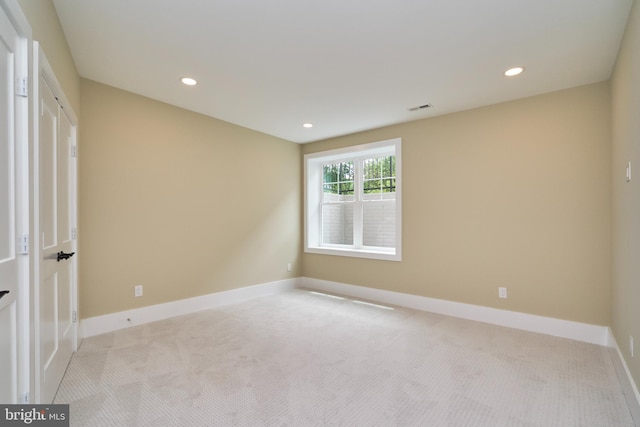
<point>313,193</point>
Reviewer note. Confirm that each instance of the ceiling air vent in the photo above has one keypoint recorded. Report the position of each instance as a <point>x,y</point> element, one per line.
<point>421,107</point>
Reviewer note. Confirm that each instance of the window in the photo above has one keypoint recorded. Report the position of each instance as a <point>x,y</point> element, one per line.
<point>352,201</point>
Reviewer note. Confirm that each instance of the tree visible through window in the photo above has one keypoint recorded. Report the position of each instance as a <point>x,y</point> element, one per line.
<point>380,175</point>
<point>338,178</point>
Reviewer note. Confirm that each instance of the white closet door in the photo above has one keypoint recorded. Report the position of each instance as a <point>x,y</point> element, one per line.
<point>57,264</point>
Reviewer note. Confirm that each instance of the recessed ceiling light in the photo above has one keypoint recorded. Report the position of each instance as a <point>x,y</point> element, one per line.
<point>307,125</point>
<point>512,72</point>
<point>189,81</point>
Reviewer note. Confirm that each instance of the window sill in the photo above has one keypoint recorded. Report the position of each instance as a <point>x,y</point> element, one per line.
<point>362,253</point>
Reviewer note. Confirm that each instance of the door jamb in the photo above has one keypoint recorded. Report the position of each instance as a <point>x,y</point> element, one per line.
<point>23,218</point>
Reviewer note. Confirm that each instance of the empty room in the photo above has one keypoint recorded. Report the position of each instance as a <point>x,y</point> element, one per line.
<point>249,213</point>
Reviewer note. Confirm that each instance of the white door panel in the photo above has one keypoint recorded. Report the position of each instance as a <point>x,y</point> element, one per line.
<point>48,159</point>
<point>9,266</point>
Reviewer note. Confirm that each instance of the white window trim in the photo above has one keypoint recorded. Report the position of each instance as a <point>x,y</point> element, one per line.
<point>313,194</point>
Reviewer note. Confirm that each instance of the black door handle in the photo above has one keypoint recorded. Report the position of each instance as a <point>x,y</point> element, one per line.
<point>62,255</point>
<point>3,293</point>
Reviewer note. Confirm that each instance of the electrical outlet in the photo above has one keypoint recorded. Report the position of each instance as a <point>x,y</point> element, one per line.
<point>289,267</point>
<point>137,291</point>
<point>502,292</point>
<point>631,345</point>
<point>628,171</point>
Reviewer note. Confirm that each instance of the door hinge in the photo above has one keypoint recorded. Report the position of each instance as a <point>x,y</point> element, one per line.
<point>74,151</point>
<point>23,244</point>
<point>22,87</point>
<point>25,398</point>
<point>74,233</point>
<point>74,316</point>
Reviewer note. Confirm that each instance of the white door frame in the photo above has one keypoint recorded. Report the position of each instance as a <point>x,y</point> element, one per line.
<point>42,67</point>
<point>23,218</point>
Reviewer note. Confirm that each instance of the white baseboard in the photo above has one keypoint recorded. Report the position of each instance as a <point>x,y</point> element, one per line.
<point>629,386</point>
<point>593,334</point>
<point>114,321</point>
<point>556,327</point>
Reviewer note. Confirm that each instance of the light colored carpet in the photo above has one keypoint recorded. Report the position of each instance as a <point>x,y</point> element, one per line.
<point>300,359</point>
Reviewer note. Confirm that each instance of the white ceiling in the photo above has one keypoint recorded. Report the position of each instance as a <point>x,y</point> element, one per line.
<point>343,65</point>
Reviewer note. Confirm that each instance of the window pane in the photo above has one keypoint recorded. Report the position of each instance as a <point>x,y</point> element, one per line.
<point>338,182</point>
<point>379,223</point>
<point>389,185</point>
<point>380,167</point>
<point>346,188</point>
<point>346,172</point>
<point>329,173</point>
<point>337,224</point>
<point>371,168</point>
<point>330,188</point>
<point>337,172</point>
<point>389,166</point>
<point>372,186</point>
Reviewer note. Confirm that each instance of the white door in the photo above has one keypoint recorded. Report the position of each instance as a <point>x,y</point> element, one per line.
<point>56,299</point>
<point>9,264</point>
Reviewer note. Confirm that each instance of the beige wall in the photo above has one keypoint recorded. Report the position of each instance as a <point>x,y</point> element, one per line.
<point>46,28</point>
<point>625,90</point>
<point>514,195</point>
<point>183,204</point>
